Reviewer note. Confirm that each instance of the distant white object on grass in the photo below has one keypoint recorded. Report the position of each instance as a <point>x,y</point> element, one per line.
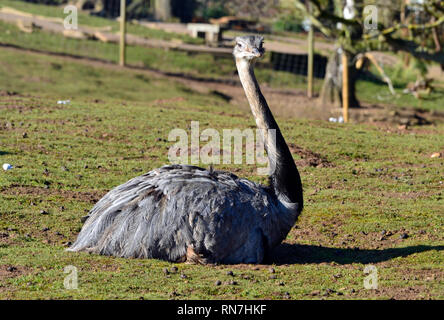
<point>63,102</point>
<point>339,120</point>
<point>7,166</point>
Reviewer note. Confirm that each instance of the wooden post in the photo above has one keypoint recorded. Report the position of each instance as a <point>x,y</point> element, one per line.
<point>345,98</point>
<point>122,32</point>
<point>310,57</point>
<point>162,10</point>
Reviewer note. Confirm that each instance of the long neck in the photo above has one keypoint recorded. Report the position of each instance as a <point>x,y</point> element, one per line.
<point>284,175</point>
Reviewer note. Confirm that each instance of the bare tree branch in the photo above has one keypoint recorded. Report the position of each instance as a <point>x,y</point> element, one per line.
<point>321,14</point>
<point>399,26</point>
<point>414,49</point>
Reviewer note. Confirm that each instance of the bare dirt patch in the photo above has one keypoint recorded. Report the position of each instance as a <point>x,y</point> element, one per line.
<point>9,271</point>
<point>309,158</point>
<point>168,101</point>
<point>387,116</point>
<point>284,103</point>
<point>15,105</point>
<point>85,196</point>
<point>4,93</point>
<point>415,292</point>
<point>411,195</point>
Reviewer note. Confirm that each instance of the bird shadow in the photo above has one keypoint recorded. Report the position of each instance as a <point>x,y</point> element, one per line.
<point>303,254</point>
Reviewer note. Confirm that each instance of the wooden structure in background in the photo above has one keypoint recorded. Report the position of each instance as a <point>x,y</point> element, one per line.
<point>345,99</point>
<point>310,58</point>
<point>211,32</point>
<point>122,32</point>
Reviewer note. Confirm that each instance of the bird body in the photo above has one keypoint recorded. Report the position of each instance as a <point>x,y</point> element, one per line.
<point>163,213</point>
<point>186,213</point>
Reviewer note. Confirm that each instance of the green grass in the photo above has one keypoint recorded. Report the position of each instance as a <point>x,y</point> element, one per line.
<point>201,65</point>
<point>400,76</point>
<point>155,58</point>
<point>117,126</point>
<point>85,19</point>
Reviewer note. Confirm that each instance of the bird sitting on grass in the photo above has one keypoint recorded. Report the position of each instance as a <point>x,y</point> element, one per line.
<point>185,213</point>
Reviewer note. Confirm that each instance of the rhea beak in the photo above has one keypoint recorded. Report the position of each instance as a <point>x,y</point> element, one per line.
<point>256,53</point>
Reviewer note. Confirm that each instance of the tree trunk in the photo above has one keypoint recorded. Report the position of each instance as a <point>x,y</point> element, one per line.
<point>332,88</point>
<point>162,9</point>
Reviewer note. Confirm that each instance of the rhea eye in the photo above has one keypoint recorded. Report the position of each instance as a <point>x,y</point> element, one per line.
<point>239,44</point>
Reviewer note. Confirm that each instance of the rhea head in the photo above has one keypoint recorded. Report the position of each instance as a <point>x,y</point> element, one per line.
<point>249,48</point>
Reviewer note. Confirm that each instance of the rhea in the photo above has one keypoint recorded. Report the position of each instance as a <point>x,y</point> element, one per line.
<point>183,213</point>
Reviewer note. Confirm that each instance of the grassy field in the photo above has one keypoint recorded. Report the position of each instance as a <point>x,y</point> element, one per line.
<point>376,197</point>
<point>86,19</point>
<point>199,65</point>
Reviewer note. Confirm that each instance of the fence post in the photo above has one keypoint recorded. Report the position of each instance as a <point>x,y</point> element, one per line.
<point>310,57</point>
<point>122,32</point>
<point>345,99</point>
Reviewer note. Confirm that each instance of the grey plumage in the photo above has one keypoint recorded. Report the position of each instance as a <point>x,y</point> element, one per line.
<point>186,213</point>
<point>162,213</point>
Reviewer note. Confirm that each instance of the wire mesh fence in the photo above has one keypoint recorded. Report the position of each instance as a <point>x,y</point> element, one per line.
<point>298,63</point>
